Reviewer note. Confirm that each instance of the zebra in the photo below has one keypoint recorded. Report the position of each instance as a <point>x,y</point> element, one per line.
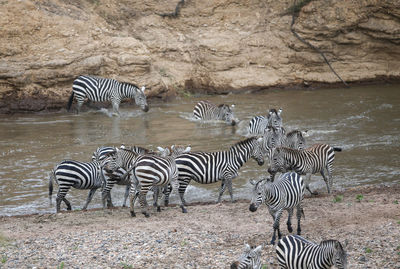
<point>294,139</point>
<point>210,167</point>
<point>80,175</point>
<point>286,193</point>
<point>205,110</point>
<point>104,89</point>
<point>250,259</point>
<point>148,171</point>
<point>317,158</point>
<point>295,252</point>
<point>119,176</point>
<point>259,124</point>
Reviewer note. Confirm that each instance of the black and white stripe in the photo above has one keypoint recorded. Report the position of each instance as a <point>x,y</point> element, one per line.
<point>294,139</point>
<point>210,167</point>
<point>250,258</point>
<point>119,176</point>
<point>80,175</point>
<point>286,193</point>
<point>103,89</point>
<point>205,110</point>
<point>318,158</point>
<point>259,124</point>
<point>148,171</point>
<point>295,252</point>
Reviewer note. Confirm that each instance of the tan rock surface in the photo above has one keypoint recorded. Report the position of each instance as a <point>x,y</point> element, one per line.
<point>213,46</point>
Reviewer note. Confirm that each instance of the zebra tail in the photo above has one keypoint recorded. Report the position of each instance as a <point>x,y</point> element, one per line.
<point>302,213</point>
<point>337,149</point>
<point>51,176</point>
<point>71,98</point>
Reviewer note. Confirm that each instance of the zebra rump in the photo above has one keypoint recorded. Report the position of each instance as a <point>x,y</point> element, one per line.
<point>295,252</point>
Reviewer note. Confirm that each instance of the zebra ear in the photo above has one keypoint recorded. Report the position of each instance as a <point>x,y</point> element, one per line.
<point>122,146</point>
<point>143,88</point>
<point>253,181</point>
<point>258,249</point>
<point>232,106</point>
<point>279,111</point>
<point>247,247</point>
<point>187,149</point>
<point>161,149</point>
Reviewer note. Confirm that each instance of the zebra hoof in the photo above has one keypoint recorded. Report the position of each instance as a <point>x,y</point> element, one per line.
<point>183,209</point>
<point>146,215</point>
<point>234,201</point>
<point>158,209</point>
<point>273,242</point>
<point>133,214</point>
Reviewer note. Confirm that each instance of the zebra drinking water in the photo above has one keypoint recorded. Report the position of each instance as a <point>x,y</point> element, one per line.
<point>119,176</point>
<point>318,158</point>
<point>286,193</point>
<point>250,259</point>
<point>104,89</point>
<point>80,175</point>
<point>295,252</point>
<point>259,124</point>
<point>205,110</point>
<point>148,171</point>
<point>210,167</point>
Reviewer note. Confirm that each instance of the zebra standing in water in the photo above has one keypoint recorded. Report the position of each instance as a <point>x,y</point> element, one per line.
<point>148,171</point>
<point>103,89</point>
<point>295,252</point>
<point>317,158</point>
<point>286,193</point>
<point>210,167</point>
<point>80,175</point>
<point>205,110</point>
<point>119,176</point>
<point>250,259</point>
<point>259,124</point>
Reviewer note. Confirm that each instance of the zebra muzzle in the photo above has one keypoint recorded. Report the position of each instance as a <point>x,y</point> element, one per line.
<point>145,108</point>
<point>234,265</point>
<point>253,208</point>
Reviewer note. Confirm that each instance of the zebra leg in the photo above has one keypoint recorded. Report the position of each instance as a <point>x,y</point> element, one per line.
<point>221,190</point>
<point>143,202</point>
<point>308,179</point>
<point>115,105</point>
<point>126,195</point>
<point>62,192</point>
<point>298,213</point>
<point>182,188</point>
<point>326,181</point>
<point>133,193</point>
<point>289,221</point>
<point>167,192</point>
<point>69,208</point>
<point>229,185</point>
<point>89,198</point>
<point>277,217</point>
<point>79,103</point>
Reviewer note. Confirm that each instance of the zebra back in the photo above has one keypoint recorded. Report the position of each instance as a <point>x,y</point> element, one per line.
<point>294,251</point>
<point>250,258</point>
<point>205,110</point>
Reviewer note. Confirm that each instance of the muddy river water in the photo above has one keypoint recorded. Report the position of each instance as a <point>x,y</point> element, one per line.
<point>364,121</point>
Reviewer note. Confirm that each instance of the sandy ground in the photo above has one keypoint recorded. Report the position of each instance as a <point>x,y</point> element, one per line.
<point>208,236</point>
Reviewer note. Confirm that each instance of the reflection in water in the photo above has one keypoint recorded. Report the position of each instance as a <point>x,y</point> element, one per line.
<point>363,121</point>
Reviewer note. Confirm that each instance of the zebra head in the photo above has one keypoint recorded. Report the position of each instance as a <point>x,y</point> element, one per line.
<point>226,114</point>
<point>278,162</point>
<point>339,256</point>
<point>295,140</point>
<point>140,99</point>
<point>174,150</point>
<point>272,139</point>
<point>258,196</point>
<point>250,259</point>
<point>257,152</point>
<point>274,118</point>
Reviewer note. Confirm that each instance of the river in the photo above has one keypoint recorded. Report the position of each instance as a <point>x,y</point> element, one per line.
<point>363,120</point>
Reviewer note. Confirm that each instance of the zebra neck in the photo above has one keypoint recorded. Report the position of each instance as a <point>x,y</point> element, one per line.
<point>127,90</point>
<point>238,157</point>
<point>270,191</point>
<point>292,160</point>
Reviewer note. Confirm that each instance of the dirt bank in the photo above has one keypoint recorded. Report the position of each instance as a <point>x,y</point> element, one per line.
<point>208,236</point>
<point>216,46</point>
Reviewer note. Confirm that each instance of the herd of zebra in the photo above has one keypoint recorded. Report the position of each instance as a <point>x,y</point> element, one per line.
<point>172,168</point>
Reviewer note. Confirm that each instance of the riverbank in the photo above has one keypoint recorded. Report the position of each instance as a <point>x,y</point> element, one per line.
<point>208,236</point>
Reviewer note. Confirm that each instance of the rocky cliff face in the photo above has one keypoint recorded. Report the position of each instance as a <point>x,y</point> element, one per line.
<point>213,46</point>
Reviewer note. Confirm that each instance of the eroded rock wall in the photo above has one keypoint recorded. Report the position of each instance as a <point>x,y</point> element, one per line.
<point>213,46</point>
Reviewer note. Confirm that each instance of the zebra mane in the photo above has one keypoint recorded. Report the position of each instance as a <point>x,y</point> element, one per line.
<point>244,142</point>
<point>331,242</point>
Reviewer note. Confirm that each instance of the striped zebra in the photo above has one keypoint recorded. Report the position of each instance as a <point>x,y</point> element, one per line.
<point>318,158</point>
<point>250,259</point>
<point>210,167</point>
<point>80,175</point>
<point>294,140</point>
<point>205,110</point>
<point>286,193</point>
<point>104,89</point>
<point>295,252</point>
<point>259,124</point>
<point>148,171</point>
<point>119,176</point>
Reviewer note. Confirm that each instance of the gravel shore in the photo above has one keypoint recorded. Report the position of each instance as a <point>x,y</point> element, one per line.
<point>208,236</point>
